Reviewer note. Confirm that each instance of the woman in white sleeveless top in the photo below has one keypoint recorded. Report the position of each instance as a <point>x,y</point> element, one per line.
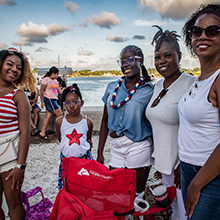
<point>199,111</point>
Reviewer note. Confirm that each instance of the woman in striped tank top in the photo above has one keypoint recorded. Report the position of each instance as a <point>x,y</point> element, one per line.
<point>15,72</point>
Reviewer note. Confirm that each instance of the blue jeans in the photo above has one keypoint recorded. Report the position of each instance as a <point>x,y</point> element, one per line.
<point>208,206</point>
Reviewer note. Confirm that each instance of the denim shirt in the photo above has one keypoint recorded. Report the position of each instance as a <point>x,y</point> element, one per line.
<point>129,119</point>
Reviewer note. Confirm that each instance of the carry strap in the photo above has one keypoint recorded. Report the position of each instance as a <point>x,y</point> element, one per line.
<point>5,148</point>
<point>125,213</point>
<point>29,194</point>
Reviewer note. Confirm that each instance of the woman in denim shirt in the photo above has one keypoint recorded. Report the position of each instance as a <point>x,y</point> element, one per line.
<point>124,118</point>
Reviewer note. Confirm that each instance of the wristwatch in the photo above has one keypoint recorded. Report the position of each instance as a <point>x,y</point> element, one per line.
<point>21,166</point>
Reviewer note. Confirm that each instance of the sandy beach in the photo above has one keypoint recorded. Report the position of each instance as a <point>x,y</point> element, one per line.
<point>42,170</point>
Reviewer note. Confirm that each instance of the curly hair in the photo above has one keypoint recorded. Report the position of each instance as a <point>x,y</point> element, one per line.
<point>213,8</point>
<point>27,80</point>
<point>166,36</point>
<point>138,52</point>
<point>73,89</point>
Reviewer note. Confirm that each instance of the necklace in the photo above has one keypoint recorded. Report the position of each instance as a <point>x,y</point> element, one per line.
<point>129,95</point>
<point>2,90</point>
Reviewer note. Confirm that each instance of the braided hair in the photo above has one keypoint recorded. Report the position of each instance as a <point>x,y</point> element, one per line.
<point>138,52</point>
<point>166,36</point>
<point>74,89</point>
<point>213,9</point>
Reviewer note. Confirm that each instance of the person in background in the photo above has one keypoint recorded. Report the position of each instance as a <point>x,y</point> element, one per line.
<point>35,109</point>
<point>162,113</point>
<point>49,96</point>
<point>199,114</point>
<point>124,118</point>
<point>74,130</point>
<point>15,72</point>
<point>62,86</point>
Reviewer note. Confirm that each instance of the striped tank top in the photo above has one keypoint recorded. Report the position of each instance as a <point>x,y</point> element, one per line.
<point>8,114</point>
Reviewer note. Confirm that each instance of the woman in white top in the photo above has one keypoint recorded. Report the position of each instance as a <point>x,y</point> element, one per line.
<point>162,112</point>
<point>199,113</point>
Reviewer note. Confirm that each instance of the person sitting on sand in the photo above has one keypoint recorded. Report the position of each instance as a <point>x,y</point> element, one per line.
<point>74,130</point>
<point>35,109</point>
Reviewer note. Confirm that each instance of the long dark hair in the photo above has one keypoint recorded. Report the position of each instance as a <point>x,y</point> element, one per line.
<point>213,8</point>
<point>53,69</point>
<point>137,51</point>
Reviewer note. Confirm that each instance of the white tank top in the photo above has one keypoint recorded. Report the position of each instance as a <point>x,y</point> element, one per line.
<point>199,130</point>
<point>74,138</point>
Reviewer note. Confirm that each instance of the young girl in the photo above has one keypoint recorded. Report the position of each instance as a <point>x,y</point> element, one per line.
<point>124,117</point>
<point>74,130</point>
<point>49,95</point>
<point>15,72</point>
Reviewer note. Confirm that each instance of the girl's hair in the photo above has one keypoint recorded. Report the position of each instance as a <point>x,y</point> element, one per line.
<point>27,80</point>
<point>138,52</point>
<point>213,9</point>
<point>167,36</point>
<point>74,89</point>
<point>53,69</point>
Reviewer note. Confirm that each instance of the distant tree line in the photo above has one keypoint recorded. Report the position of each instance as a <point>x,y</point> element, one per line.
<point>151,71</point>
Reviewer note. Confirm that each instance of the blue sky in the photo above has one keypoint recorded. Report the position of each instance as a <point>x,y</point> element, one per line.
<point>89,34</point>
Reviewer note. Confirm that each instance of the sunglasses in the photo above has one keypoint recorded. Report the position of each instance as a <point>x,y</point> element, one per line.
<point>159,97</point>
<point>129,60</point>
<point>68,103</point>
<point>14,51</point>
<point>211,31</point>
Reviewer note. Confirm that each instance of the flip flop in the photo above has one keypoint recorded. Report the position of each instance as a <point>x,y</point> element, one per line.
<point>44,137</point>
<point>50,132</point>
<point>35,132</point>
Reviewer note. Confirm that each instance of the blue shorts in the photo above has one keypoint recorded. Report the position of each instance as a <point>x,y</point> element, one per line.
<point>35,106</point>
<point>51,104</point>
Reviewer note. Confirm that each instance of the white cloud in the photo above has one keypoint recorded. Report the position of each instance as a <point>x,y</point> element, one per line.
<point>43,49</point>
<point>104,20</point>
<point>82,51</point>
<point>71,6</point>
<point>116,39</point>
<point>7,3</point>
<point>35,33</point>
<point>172,8</point>
<point>190,62</point>
<point>3,46</point>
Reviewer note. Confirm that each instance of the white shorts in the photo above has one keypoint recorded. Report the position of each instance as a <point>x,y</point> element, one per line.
<point>8,166</point>
<point>130,154</point>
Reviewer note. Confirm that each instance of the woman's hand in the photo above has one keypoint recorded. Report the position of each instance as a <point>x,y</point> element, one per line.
<point>192,198</point>
<point>177,176</point>
<point>42,105</point>
<point>17,176</point>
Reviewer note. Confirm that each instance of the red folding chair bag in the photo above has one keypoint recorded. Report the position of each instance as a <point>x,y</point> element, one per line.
<point>98,187</point>
<point>69,207</point>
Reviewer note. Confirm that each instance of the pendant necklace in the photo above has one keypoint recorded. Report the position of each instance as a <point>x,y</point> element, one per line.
<point>129,95</point>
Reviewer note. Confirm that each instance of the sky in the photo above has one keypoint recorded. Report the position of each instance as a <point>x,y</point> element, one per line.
<point>90,34</point>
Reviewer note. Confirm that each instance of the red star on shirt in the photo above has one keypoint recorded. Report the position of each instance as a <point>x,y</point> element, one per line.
<point>74,137</point>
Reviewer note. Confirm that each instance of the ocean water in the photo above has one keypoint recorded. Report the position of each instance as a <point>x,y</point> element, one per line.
<point>92,88</point>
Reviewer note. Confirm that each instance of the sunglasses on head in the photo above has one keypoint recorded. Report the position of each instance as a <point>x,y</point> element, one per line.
<point>159,97</point>
<point>211,31</point>
<point>129,60</point>
<point>14,51</point>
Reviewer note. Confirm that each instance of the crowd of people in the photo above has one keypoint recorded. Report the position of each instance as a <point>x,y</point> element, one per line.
<point>173,125</point>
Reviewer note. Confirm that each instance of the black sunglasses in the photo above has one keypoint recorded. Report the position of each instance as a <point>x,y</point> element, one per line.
<point>159,97</point>
<point>211,31</point>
